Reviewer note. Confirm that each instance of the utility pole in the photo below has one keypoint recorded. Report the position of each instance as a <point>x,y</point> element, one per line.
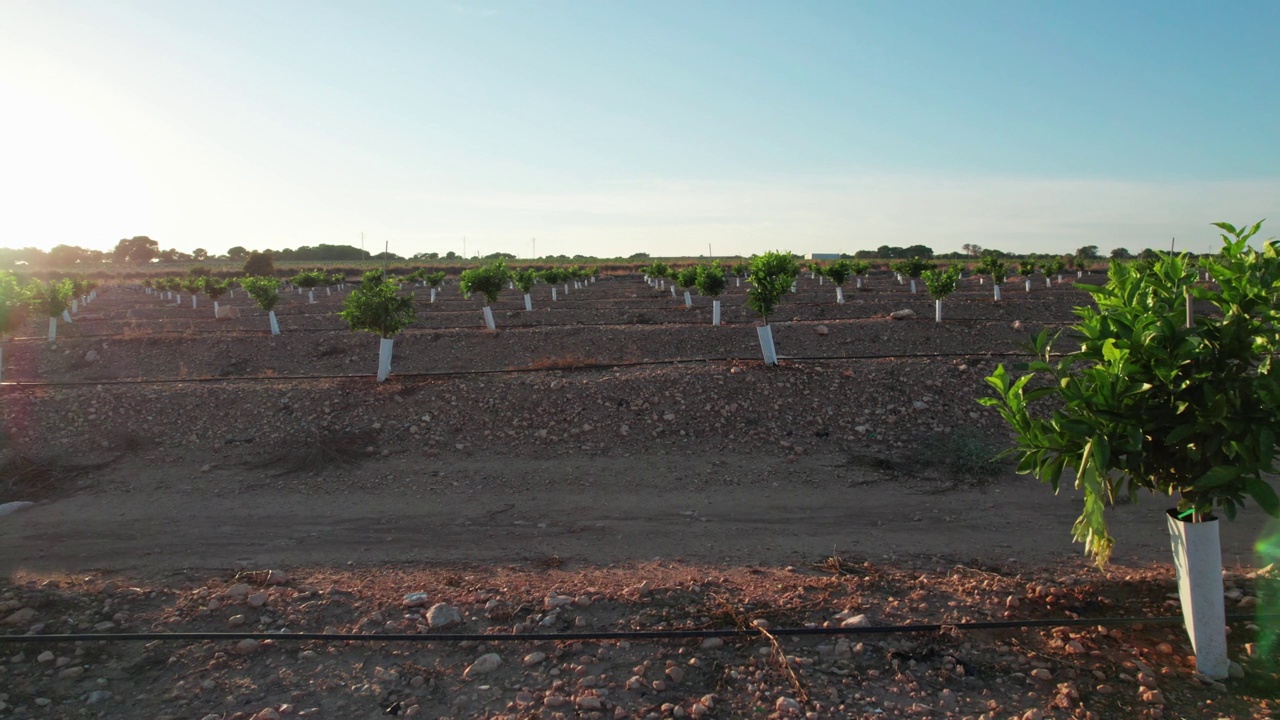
<point>361,244</point>
<point>709,255</point>
<point>1172,243</point>
<point>464,247</point>
<point>386,250</point>
<point>534,256</point>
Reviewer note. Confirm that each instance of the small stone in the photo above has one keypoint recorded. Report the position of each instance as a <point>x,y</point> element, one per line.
<point>1152,697</point>
<point>235,620</point>
<point>787,706</point>
<point>97,696</point>
<point>1147,680</point>
<point>555,701</point>
<point>45,657</point>
<point>238,590</point>
<point>256,600</point>
<point>1248,601</point>
<point>676,674</point>
<point>267,714</point>
<point>589,702</point>
<point>483,665</point>
<point>443,615</point>
<point>534,658</point>
<point>1075,648</point>
<point>712,643</point>
<point>91,356</point>
<point>1164,648</point>
<point>1042,674</point>
<point>277,577</point>
<point>902,315</point>
<point>71,673</point>
<point>822,330</point>
<point>247,647</point>
<point>21,617</point>
<point>855,621</point>
<point>1033,714</point>
<point>1235,669</point>
<point>1017,325</point>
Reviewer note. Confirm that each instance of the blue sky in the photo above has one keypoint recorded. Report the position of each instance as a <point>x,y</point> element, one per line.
<point>617,127</point>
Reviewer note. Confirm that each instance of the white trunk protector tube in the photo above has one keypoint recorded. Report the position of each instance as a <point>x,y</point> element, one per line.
<point>688,300</point>
<point>384,358</point>
<point>566,289</point>
<point>859,282</point>
<point>215,309</point>
<point>937,311</point>
<point>75,305</point>
<point>66,316</point>
<point>553,293</point>
<point>1197,557</point>
<point>839,295</point>
<point>673,289</point>
<point>765,333</point>
<point>793,287</point>
<point>913,286</point>
<point>311,296</point>
<point>178,301</point>
<point>738,281</point>
<point>997,292</point>
<point>433,294</point>
<point>1047,281</point>
<point>53,329</point>
<point>275,326</point>
<point>488,318</point>
<point>193,301</point>
<point>528,302</point>
<point>1028,284</point>
<point>715,313</point>
<point>328,291</point>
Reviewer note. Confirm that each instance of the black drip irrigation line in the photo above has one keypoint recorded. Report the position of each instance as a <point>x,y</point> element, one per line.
<point>421,329</point>
<point>20,384</point>
<point>619,635</point>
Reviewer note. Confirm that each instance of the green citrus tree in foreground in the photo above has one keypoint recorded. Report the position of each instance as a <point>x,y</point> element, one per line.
<point>378,307</point>
<point>53,299</point>
<point>488,281</point>
<point>1150,402</point>
<point>13,309</point>
<point>771,277</point>
<point>265,291</point>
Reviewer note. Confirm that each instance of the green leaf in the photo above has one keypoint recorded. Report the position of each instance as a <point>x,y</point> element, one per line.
<point>1216,477</point>
<point>1263,494</point>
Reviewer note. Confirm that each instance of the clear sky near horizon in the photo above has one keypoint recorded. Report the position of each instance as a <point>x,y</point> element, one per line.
<point>608,128</point>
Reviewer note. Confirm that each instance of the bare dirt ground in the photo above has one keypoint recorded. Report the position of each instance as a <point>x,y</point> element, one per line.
<point>672,482</point>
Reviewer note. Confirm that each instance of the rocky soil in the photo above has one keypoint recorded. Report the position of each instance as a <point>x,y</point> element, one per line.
<point>608,462</point>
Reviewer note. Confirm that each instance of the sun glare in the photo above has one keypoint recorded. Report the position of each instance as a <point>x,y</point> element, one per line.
<point>64,178</point>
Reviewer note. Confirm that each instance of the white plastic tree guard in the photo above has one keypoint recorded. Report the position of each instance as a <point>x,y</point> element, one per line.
<point>528,302</point>
<point>688,299</point>
<point>997,291</point>
<point>715,313</point>
<point>765,333</point>
<point>937,311</point>
<point>53,328</point>
<point>1197,557</point>
<point>275,326</point>
<point>488,318</point>
<point>384,358</point>
<point>839,295</point>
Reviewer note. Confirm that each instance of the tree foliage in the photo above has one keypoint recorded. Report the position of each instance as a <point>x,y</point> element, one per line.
<point>377,306</point>
<point>941,283</point>
<point>710,280</point>
<point>264,290</point>
<point>1147,403</point>
<point>486,280</point>
<point>771,277</point>
<point>260,264</point>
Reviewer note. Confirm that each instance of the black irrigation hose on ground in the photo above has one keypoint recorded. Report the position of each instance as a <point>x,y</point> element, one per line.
<point>22,384</point>
<point>619,635</point>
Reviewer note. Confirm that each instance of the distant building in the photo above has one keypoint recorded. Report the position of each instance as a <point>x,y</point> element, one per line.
<point>822,256</point>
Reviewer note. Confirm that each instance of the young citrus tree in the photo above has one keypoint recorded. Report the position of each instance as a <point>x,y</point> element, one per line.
<point>265,291</point>
<point>1026,269</point>
<point>711,283</point>
<point>553,276</point>
<point>994,268</point>
<point>686,278</point>
<point>1053,267</point>
<point>839,271</point>
<point>378,307</point>
<point>524,278</point>
<point>309,279</point>
<point>215,288</point>
<point>912,268</point>
<point>940,284</point>
<point>859,268</point>
<point>771,277</point>
<point>488,281</point>
<point>51,298</point>
<point>13,309</point>
<point>1149,404</point>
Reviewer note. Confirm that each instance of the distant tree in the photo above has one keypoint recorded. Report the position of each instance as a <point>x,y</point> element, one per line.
<point>1148,254</point>
<point>260,264</point>
<point>237,253</point>
<point>200,254</point>
<point>1088,252</point>
<point>424,256</point>
<point>1120,254</point>
<point>451,255</point>
<point>638,256</point>
<point>499,256</point>
<point>63,255</point>
<point>918,251</point>
<point>138,249</point>
<point>971,249</point>
<point>386,256</point>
